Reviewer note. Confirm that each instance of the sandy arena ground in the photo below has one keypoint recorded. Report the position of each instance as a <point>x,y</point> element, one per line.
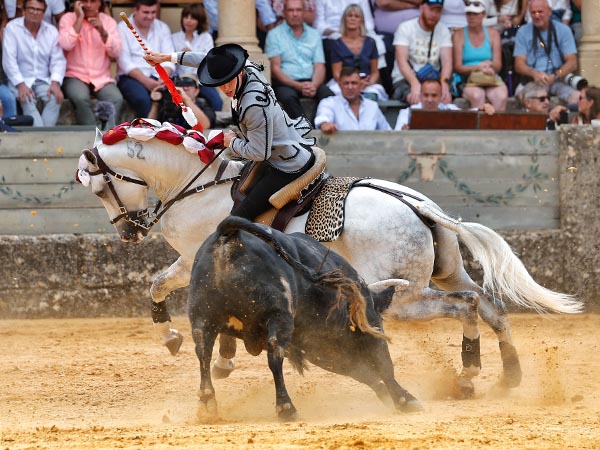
<point>107,384</point>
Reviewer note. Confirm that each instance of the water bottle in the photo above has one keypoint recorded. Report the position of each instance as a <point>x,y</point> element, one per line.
<point>509,80</point>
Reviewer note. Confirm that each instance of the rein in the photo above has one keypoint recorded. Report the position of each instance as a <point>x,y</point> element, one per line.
<point>143,214</point>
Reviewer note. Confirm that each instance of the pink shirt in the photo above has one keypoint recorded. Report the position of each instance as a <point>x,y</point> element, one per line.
<point>88,57</point>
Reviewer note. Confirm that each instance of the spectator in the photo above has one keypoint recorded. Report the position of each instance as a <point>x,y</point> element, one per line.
<point>55,9</point>
<point>164,110</point>
<point>416,47</point>
<point>389,14</point>
<point>90,40</point>
<point>34,75</point>
<point>478,54</point>
<point>308,16</point>
<point>589,106</point>
<point>453,14</point>
<point>263,8</point>
<point>329,20</point>
<point>349,111</point>
<point>136,79</point>
<point>575,23</point>
<point>534,98</point>
<point>561,11</point>
<point>7,97</point>
<point>297,61</point>
<point>431,94</point>
<point>545,51</point>
<point>508,13</point>
<point>194,37</point>
<point>356,49</point>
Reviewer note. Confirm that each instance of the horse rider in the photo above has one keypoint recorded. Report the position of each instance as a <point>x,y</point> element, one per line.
<point>267,133</point>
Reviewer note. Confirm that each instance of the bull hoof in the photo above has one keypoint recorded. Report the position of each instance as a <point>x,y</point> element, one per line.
<point>222,368</point>
<point>286,412</point>
<point>174,342</point>
<point>412,406</point>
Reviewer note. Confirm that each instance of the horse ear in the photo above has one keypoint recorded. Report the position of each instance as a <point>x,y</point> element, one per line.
<point>91,159</point>
<point>98,139</point>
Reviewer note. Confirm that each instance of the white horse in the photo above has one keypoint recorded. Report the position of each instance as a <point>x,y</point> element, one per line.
<point>383,238</point>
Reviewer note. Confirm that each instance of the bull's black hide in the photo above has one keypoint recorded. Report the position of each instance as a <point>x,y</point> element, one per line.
<point>291,296</point>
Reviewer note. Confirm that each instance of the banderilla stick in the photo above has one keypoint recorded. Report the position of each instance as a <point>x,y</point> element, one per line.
<point>187,113</point>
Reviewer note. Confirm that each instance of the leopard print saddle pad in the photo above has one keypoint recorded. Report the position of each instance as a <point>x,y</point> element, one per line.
<point>325,221</point>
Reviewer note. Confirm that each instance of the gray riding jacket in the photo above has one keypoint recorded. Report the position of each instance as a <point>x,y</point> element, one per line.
<point>268,133</point>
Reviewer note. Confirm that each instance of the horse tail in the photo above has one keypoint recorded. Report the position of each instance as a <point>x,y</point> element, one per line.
<point>504,273</point>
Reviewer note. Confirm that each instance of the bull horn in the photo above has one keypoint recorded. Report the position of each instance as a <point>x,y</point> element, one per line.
<point>380,286</point>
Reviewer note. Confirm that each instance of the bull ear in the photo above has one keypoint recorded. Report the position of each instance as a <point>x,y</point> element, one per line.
<point>91,159</point>
<point>98,139</point>
<point>380,286</point>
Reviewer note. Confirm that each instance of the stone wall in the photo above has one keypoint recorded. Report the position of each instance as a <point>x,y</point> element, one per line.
<point>91,274</point>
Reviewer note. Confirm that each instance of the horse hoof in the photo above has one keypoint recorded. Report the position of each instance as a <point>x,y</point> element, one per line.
<point>412,406</point>
<point>174,342</point>
<point>286,412</point>
<point>222,368</point>
<point>465,388</point>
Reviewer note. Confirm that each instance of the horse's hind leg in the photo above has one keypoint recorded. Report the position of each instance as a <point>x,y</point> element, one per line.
<point>433,304</point>
<point>175,277</point>
<point>449,274</point>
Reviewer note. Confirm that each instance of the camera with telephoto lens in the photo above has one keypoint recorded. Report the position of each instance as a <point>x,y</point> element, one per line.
<point>575,81</point>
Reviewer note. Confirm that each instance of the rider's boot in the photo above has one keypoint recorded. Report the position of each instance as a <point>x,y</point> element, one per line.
<point>170,337</point>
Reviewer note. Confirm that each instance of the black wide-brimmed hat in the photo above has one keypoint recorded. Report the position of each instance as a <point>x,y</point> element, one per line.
<point>221,64</point>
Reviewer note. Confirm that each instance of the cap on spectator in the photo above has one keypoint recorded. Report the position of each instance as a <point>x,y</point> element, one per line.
<point>188,79</point>
<point>221,65</point>
<point>439,3</point>
<point>474,6</point>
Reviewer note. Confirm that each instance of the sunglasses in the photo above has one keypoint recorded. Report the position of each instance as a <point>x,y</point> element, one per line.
<point>541,98</point>
<point>433,2</point>
<point>477,4</point>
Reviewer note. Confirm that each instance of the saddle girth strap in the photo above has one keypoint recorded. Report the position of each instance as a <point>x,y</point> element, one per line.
<point>399,195</point>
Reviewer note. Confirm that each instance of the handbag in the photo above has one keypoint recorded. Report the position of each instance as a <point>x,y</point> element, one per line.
<point>427,72</point>
<point>478,78</point>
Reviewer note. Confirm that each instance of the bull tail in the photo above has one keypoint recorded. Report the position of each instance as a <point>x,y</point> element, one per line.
<point>504,273</point>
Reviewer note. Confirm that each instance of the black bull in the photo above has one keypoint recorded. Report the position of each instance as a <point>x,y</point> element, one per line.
<point>291,296</point>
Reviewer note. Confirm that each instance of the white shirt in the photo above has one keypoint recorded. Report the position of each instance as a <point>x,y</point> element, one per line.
<point>132,56</point>
<point>26,59</point>
<point>53,8</point>
<point>410,34</point>
<point>404,114</point>
<point>328,14</point>
<point>201,43</point>
<point>336,109</point>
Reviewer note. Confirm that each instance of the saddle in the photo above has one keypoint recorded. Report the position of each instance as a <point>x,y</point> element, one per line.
<point>291,200</point>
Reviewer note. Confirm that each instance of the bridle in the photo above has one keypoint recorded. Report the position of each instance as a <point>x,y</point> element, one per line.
<point>141,219</point>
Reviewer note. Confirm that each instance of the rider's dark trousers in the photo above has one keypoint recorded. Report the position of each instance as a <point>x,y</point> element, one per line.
<point>257,201</point>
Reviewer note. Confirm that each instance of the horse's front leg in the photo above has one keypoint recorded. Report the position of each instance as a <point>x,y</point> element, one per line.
<point>175,277</point>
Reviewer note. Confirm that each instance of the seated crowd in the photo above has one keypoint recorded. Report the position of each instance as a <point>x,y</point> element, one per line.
<point>348,56</point>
